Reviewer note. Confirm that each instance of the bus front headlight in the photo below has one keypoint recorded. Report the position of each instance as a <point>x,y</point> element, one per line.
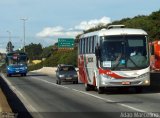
<point>146,81</point>
<point>145,75</point>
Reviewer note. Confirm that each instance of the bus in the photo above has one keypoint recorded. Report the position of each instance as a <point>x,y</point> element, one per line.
<point>114,57</point>
<point>16,63</point>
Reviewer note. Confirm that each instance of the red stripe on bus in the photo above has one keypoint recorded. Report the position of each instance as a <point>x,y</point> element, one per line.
<point>110,73</point>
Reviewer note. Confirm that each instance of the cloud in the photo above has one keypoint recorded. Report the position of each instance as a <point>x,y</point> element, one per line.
<point>72,32</point>
<point>57,32</point>
<point>85,25</point>
<point>50,31</point>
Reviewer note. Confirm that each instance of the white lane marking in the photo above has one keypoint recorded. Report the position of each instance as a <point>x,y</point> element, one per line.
<point>108,100</point>
<point>28,106</point>
<point>50,83</point>
<point>89,94</point>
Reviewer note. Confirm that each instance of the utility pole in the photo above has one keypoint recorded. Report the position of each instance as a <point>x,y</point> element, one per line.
<point>24,35</point>
<point>9,45</point>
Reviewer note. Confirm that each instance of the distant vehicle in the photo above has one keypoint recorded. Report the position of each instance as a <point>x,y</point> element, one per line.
<point>16,63</point>
<point>66,73</point>
<point>155,55</point>
<point>114,57</point>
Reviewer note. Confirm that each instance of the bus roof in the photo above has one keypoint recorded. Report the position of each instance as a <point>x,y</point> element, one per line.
<point>116,31</point>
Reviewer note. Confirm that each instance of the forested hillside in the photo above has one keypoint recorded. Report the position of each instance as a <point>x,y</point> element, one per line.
<point>150,23</point>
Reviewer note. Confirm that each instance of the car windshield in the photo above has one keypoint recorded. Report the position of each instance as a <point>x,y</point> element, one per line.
<point>67,68</point>
<point>124,52</point>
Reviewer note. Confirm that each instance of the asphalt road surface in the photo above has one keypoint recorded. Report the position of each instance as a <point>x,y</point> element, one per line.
<point>43,98</point>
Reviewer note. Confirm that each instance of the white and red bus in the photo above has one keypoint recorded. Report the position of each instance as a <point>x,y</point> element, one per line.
<point>114,57</point>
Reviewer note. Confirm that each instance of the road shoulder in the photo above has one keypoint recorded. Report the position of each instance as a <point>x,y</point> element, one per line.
<point>4,106</point>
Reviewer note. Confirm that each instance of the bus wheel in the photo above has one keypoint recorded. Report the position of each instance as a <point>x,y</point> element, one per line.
<point>87,87</point>
<point>59,81</point>
<point>101,90</point>
<point>56,81</point>
<point>75,82</point>
<point>8,75</point>
<point>138,89</point>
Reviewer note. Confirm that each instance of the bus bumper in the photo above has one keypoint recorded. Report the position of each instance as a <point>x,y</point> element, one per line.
<point>137,81</point>
<point>12,72</point>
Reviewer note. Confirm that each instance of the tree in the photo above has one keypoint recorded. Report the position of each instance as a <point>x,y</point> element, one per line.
<point>9,47</point>
<point>34,51</point>
<point>47,51</point>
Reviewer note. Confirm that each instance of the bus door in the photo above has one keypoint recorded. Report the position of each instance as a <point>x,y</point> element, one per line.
<point>90,63</point>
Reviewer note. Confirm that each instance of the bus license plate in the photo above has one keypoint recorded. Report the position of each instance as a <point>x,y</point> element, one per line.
<point>126,83</point>
<point>17,71</point>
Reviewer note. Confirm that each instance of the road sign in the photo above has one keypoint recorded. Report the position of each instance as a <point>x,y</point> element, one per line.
<point>65,43</point>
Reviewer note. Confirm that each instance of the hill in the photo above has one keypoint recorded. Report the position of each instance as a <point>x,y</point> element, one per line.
<point>150,23</point>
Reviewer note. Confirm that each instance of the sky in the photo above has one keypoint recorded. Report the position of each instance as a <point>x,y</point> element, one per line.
<point>48,20</point>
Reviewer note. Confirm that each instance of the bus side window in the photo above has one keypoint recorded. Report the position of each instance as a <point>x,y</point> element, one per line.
<point>87,46</point>
<point>80,46</point>
<point>93,44</point>
<point>83,46</point>
<point>90,46</point>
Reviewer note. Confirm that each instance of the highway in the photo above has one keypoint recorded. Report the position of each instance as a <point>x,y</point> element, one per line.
<point>43,98</point>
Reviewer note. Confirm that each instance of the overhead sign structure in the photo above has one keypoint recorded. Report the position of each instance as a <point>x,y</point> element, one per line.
<point>65,43</point>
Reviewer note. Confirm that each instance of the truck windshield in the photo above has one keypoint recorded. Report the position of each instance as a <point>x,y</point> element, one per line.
<point>124,52</point>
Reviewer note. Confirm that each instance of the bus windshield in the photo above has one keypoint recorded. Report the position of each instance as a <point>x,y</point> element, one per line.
<point>124,52</point>
<point>17,60</point>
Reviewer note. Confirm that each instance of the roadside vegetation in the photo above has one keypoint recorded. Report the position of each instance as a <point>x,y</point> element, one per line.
<point>57,57</point>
